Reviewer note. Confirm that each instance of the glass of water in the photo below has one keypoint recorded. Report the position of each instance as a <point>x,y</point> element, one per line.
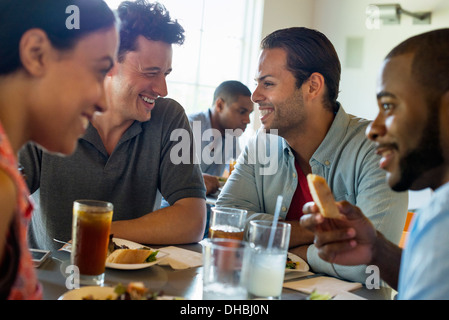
<point>225,269</point>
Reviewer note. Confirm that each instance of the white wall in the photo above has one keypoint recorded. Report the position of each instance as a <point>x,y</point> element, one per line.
<point>280,14</point>
<point>342,19</point>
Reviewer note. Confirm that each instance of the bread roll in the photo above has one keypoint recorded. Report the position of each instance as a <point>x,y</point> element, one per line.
<point>129,256</point>
<point>322,195</point>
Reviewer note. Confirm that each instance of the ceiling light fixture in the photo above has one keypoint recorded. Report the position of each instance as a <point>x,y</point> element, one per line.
<point>390,14</point>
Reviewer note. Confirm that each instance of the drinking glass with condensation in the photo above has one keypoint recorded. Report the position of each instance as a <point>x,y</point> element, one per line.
<point>268,244</point>
<point>227,223</point>
<point>225,269</point>
<point>90,236</point>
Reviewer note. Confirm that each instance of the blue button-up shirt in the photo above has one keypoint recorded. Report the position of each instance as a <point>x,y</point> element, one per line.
<point>345,158</point>
<point>206,142</point>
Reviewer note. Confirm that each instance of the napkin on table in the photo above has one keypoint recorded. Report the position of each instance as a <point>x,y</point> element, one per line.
<point>323,285</point>
<point>297,274</point>
<point>181,258</point>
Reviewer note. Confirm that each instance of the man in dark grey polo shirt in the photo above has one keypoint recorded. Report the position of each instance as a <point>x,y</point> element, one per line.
<point>125,155</point>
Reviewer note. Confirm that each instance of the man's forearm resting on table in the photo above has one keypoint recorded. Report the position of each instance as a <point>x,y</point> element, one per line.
<point>182,222</point>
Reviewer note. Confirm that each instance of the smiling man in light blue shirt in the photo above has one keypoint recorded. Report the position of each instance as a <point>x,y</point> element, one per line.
<point>298,80</point>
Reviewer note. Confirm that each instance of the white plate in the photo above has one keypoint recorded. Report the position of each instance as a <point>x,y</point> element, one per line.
<point>100,293</point>
<point>134,266</point>
<point>97,293</point>
<point>302,266</point>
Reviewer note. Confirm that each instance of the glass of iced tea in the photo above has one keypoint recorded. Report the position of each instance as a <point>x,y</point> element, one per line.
<point>90,236</point>
<point>227,223</point>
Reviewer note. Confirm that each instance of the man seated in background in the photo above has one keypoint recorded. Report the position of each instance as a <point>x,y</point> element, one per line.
<point>411,135</point>
<point>216,133</point>
<point>228,116</point>
<point>310,132</point>
<point>124,157</point>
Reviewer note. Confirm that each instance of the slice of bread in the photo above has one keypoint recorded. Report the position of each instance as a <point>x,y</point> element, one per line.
<point>322,195</point>
<point>129,256</point>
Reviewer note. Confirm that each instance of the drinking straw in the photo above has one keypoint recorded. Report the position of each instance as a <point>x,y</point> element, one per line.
<point>275,219</point>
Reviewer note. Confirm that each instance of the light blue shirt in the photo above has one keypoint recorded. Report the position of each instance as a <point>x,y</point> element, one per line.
<point>345,158</point>
<point>425,259</point>
<point>208,143</point>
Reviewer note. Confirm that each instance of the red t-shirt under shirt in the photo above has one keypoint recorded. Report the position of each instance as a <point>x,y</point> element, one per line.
<point>300,197</point>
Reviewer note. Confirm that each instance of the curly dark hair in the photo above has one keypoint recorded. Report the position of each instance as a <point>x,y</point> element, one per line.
<point>151,20</point>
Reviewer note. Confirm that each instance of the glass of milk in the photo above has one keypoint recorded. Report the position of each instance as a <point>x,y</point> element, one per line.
<point>268,255</point>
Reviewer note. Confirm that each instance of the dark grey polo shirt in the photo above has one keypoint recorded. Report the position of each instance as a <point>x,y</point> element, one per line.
<point>130,177</point>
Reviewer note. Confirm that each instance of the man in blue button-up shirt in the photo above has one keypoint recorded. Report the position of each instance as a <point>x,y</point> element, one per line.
<point>298,80</point>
